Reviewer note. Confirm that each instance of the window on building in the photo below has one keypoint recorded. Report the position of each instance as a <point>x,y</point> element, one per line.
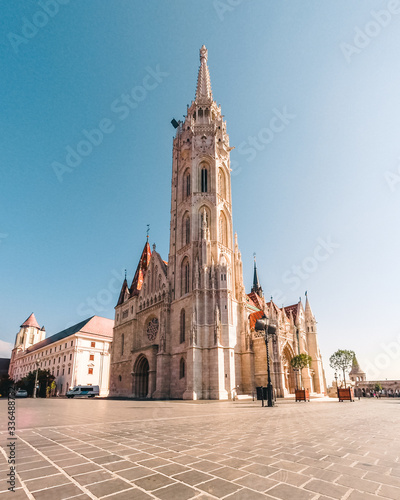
<point>69,370</point>
<point>65,345</point>
<point>63,371</point>
<point>72,342</point>
<point>186,184</point>
<point>50,351</point>
<point>92,344</point>
<point>185,274</point>
<point>90,371</point>
<point>204,180</point>
<point>223,229</point>
<point>182,326</point>
<point>122,343</point>
<point>58,372</point>
<point>187,230</point>
<point>182,368</point>
<point>59,348</point>
<point>59,359</point>
<point>65,357</point>
<point>70,357</point>
<point>54,361</point>
<point>91,357</point>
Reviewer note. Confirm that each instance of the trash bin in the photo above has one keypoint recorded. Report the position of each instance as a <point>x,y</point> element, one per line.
<point>259,394</point>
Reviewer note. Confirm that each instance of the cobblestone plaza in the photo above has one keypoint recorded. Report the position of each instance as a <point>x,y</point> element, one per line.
<point>178,450</point>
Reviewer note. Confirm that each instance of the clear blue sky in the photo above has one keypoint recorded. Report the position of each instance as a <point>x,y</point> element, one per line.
<point>328,175</point>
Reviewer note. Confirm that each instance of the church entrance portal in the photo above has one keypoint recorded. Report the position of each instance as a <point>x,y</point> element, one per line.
<point>141,377</point>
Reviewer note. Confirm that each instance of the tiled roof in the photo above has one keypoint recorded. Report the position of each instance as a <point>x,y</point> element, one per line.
<point>141,269</point>
<point>122,293</point>
<point>254,317</point>
<point>94,325</point>
<point>255,299</point>
<point>293,309</point>
<point>31,321</point>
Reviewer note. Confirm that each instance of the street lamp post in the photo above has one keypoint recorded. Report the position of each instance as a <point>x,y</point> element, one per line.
<point>337,388</point>
<point>36,378</point>
<point>268,328</point>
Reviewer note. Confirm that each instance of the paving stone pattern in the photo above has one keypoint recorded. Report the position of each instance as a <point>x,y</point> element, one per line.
<point>181,450</point>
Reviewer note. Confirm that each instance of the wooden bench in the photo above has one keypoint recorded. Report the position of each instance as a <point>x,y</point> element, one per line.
<point>345,394</point>
<point>302,395</point>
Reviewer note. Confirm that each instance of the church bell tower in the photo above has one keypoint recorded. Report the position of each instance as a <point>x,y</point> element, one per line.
<point>201,268</point>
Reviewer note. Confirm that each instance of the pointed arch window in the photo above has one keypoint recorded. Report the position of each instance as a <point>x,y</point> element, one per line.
<point>223,229</point>
<point>204,180</point>
<point>186,184</point>
<point>182,368</point>
<point>182,326</point>
<point>185,274</point>
<point>122,343</point>
<point>187,230</point>
<point>222,183</point>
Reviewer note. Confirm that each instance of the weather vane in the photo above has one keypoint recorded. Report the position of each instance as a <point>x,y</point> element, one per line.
<point>148,230</point>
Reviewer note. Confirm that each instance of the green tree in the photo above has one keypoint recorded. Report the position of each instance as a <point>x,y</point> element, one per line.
<point>45,378</point>
<point>378,387</point>
<point>53,387</point>
<point>342,360</point>
<point>300,362</point>
<point>5,383</point>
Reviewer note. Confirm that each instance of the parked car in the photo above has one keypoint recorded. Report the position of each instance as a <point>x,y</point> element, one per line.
<point>21,393</point>
<point>84,390</point>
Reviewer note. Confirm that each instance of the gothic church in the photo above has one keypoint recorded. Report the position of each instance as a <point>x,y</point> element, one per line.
<point>185,328</point>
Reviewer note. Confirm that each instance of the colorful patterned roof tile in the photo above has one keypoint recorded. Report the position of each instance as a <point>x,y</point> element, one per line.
<point>255,299</point>
<point>293,309</point>
<point>254,317</point>
<point>140,273</point>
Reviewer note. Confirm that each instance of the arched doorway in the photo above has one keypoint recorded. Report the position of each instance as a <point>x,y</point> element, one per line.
<point>141,381</point>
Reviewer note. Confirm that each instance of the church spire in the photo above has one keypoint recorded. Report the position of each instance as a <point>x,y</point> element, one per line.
<point>308,312</point>
<point>256,282</point>
<point>203,90</point>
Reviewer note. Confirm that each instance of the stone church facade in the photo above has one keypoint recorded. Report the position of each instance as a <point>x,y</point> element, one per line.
<point>185,329</point>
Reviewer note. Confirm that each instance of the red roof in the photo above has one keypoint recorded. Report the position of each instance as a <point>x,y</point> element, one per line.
<point>31,321</point>
<point>255,299</point>
<point>142,267</point>
<point>293,310</point>
<point>254,317</point>
<point>99,326</point>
